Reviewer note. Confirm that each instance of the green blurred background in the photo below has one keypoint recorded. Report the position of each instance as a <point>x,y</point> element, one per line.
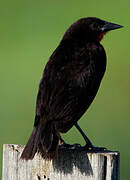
<point>30,30</point>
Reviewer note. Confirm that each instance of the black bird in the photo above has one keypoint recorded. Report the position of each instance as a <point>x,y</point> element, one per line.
<point>69,84</point>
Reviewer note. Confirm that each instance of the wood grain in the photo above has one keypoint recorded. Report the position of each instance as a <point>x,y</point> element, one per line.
<point>69,165</point>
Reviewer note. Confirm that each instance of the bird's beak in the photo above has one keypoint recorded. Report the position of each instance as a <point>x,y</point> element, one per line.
<point>110,26</point>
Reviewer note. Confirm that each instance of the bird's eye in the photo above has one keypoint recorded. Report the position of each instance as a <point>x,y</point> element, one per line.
<point>95,26</point>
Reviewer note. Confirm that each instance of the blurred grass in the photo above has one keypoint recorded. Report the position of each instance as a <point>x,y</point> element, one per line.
<point>29,33</point>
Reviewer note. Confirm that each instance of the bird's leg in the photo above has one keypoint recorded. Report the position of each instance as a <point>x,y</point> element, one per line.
<point>89,144</point>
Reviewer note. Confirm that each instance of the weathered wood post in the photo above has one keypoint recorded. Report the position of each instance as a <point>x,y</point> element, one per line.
<point>69,165</point>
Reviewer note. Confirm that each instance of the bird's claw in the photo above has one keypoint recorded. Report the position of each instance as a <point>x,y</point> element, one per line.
<point>69,146</point>
<point>95,148</point>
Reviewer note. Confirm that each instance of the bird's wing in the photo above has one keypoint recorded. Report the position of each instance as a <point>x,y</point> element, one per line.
<point>68,88</point>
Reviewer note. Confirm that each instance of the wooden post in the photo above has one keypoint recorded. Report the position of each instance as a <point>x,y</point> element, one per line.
<point>69,165</point>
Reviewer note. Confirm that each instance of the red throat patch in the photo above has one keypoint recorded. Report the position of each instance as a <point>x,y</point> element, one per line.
<point>100,37</point>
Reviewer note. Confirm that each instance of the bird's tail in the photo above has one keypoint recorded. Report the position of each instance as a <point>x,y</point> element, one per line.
<point>44,139</point>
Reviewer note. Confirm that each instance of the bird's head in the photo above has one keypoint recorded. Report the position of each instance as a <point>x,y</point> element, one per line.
<point>89,29</point>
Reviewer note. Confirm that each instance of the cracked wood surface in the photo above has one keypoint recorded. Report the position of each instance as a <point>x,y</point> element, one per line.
<point>69,165</point>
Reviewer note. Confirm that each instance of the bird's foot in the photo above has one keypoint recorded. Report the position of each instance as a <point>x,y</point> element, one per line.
<point>95,149</point>
<point>81,148</point>
<point>69,146</point>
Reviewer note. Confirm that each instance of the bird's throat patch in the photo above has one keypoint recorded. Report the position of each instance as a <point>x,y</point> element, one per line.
<point>100,37</point>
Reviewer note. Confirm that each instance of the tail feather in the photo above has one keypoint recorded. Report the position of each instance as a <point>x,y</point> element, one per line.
<point>44,139</point>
